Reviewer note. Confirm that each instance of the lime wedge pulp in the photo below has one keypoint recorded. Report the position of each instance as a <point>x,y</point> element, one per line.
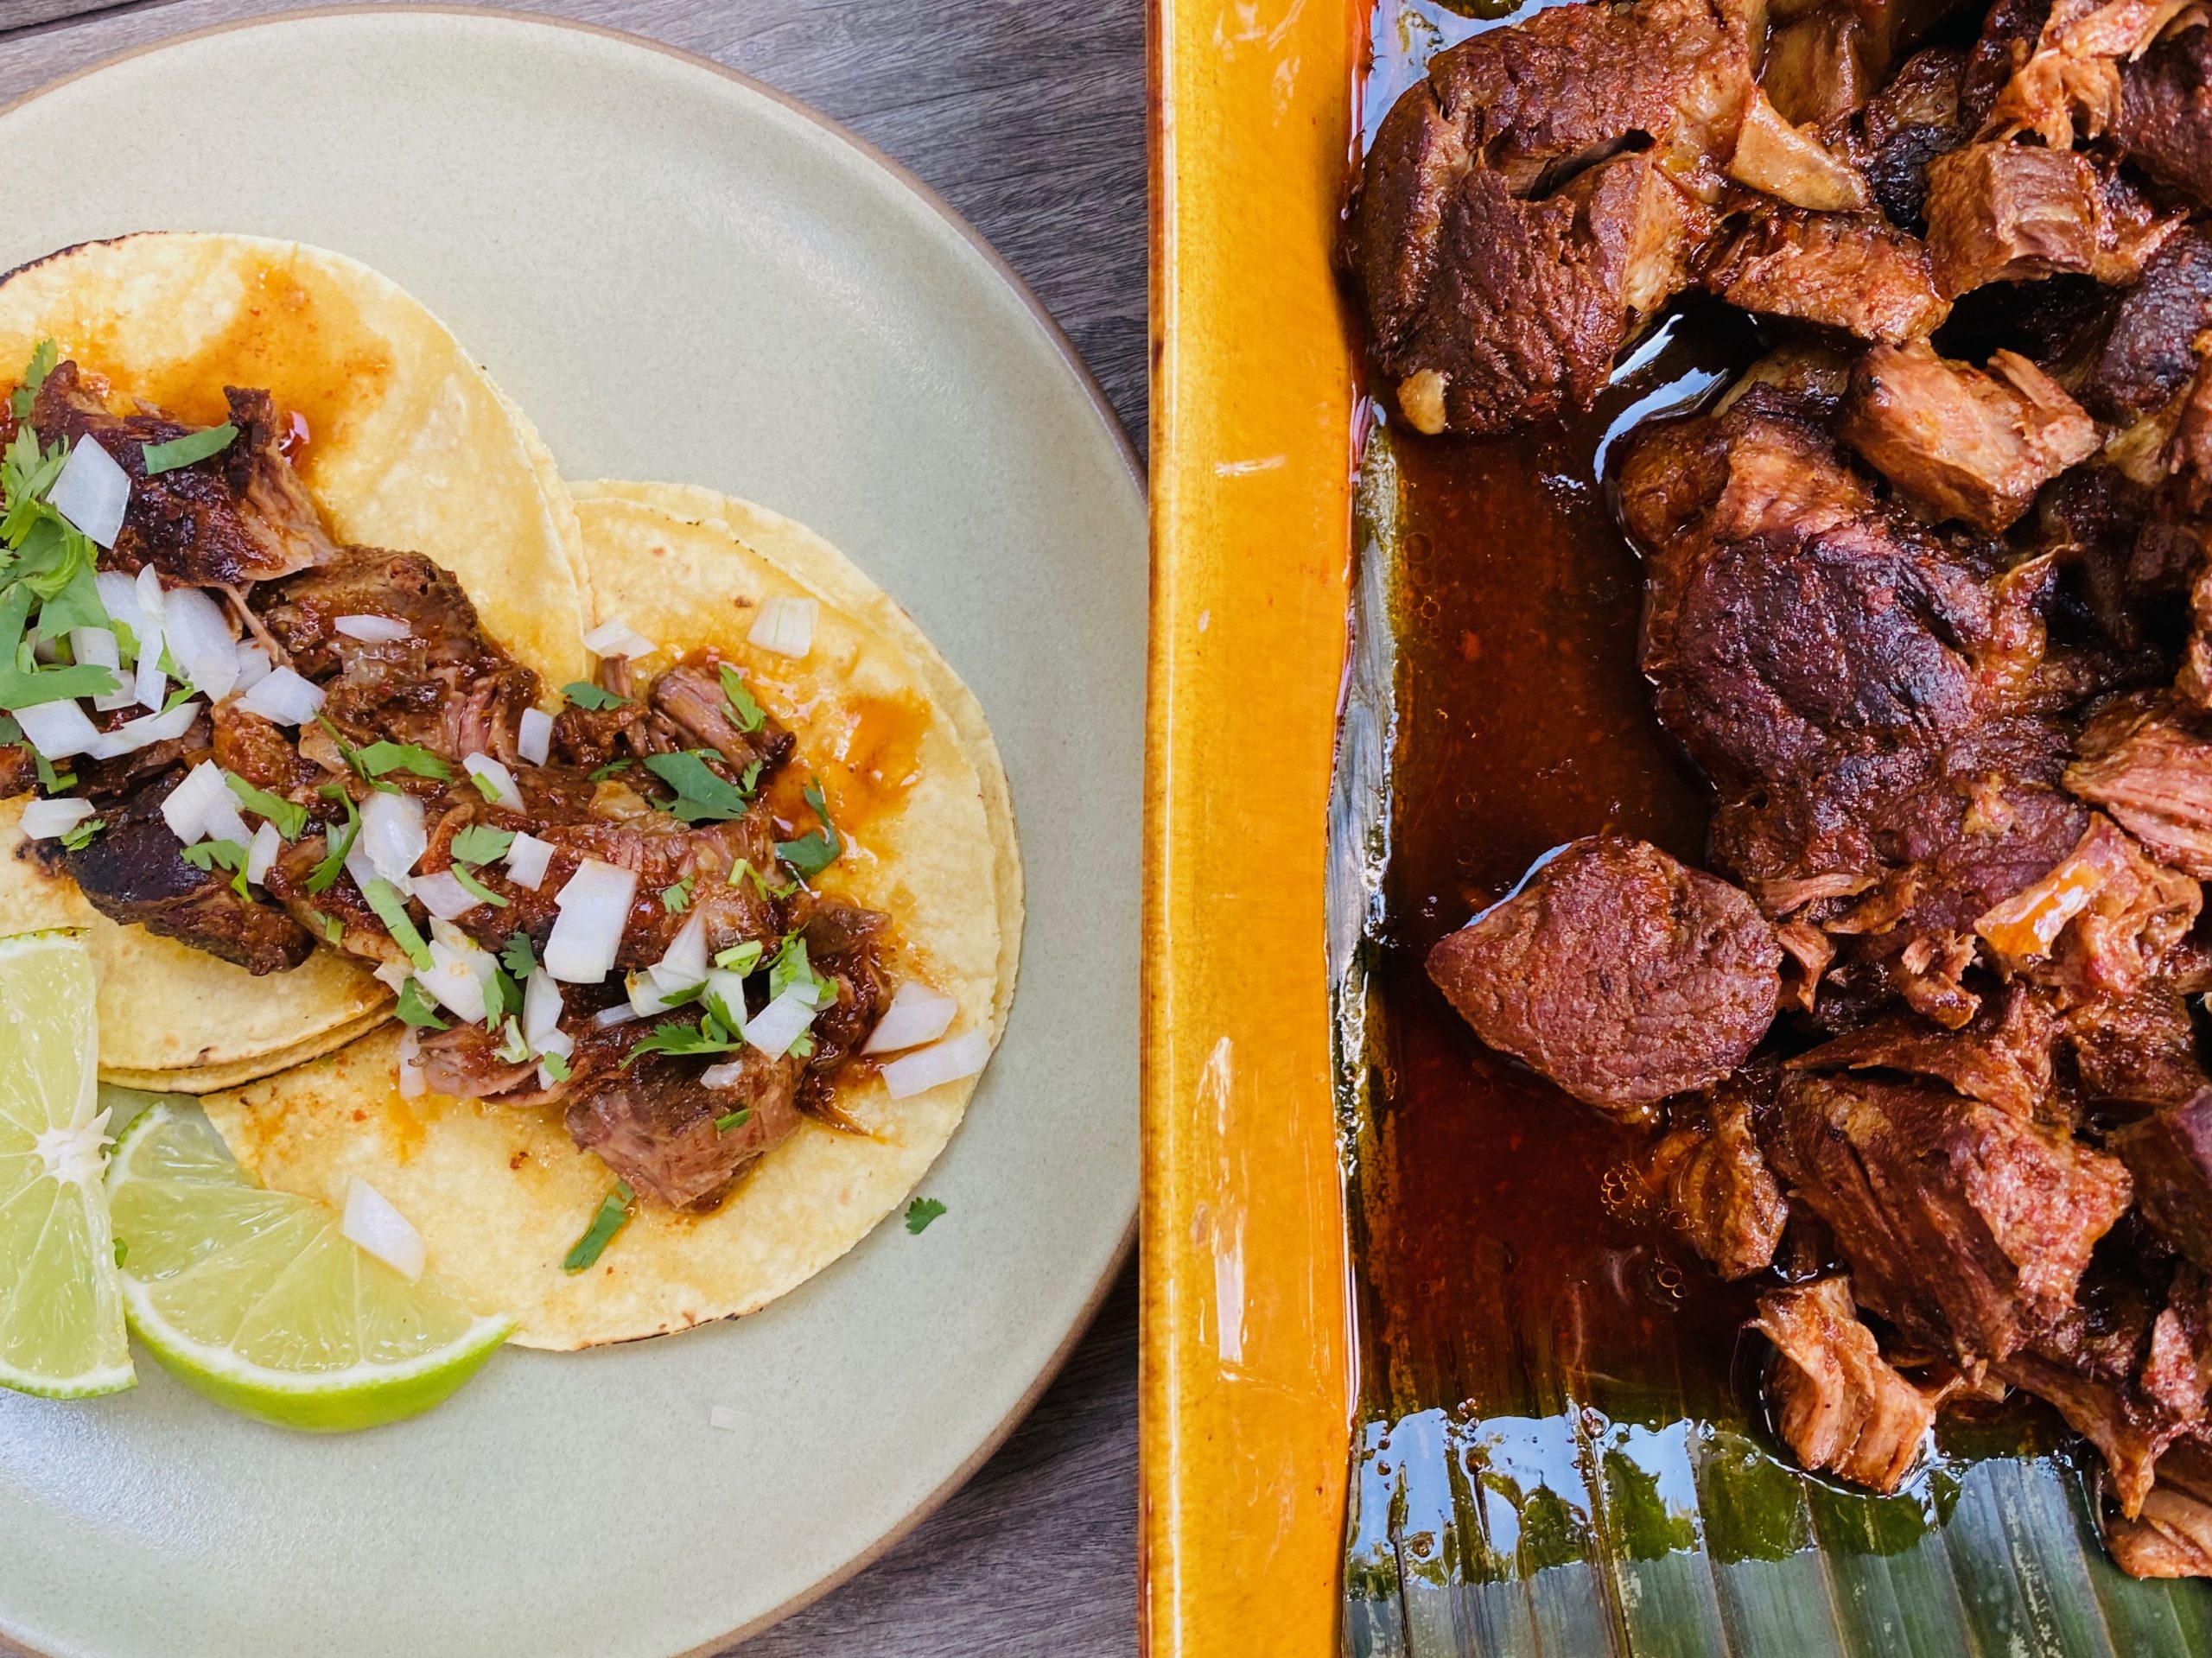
<point>256,1299</point>
<point>60,1306</point>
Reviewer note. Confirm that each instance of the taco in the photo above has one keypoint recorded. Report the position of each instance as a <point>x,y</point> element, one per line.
<point>349,418</point>
<point>873,854</point>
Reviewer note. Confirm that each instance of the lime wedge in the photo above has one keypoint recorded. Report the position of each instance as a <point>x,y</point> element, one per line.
<point>60,1308</point>
<point>256,1299</point>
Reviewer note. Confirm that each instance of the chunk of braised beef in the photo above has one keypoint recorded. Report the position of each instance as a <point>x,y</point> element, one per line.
<point>1912,120</point>
<point>1718,1192</point>
<point>2137,1051</point>
<point>655,1124</point>
<point>1840,1406</point>
<point>690,695</point>
<point>2145,357</point>
<point>2171,1535</point>
<point>1619,972</point>
<point>2004,1056</point>
<point>2004,211</point>
<point>1847,271</point>
<point>2163,124</point>
<point>1960,442</point>
<point>2169,1155</point>
<point>2146,760</point>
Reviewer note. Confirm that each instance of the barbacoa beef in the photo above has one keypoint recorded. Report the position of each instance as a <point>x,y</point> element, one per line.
<point>655,1124</point>
<point>2146,356</point>
<point>2147,760</point>
<point>1525,206</point>
<point>1717,1189</point>
<point>1845,270</point>
<point>1840,1406</point>
<point>1966,1227</point>
<point>1906,125</point>
<point>2171,1535</point>
<point>2004,212</point>
<point>2163,124</point>
<point>1619,972</point>
<point>2169,1155</point>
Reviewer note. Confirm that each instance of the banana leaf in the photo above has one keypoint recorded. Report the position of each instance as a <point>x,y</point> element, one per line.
<point>1520,1488</point>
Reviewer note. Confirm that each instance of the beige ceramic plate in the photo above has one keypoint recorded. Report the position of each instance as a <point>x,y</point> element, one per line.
<point>678,276</point>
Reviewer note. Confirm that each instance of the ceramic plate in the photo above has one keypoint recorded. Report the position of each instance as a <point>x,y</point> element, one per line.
<point>679,276</point>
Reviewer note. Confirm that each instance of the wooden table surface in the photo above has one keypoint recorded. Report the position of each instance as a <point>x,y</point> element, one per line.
<point>1028,117</point>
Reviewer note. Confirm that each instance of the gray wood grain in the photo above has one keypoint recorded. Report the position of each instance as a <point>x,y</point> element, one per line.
<point>1028,116</point>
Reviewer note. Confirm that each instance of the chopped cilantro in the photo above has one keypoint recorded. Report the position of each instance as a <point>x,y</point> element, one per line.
<point>325,874</point>
<point>332,928</point>
<point>601,773</point>
<point>346,751</point>
<point>475,888</point>
<point>24,683</point>
<point>78,838</point>
<point>921,1212</point>
<point>380,757</point>
<point>585,695</point>
<point>734,1120</point>
<point>391,909</point>
<point>226,854</point>
<point>177,698</point>
<point>554,1067</point>
<point>676,897</point>
<point>740,959</point>
<point>702,794</point>
<point>710,1035</point>
<point>802,1045</point>
<point>790,968</point>
<point>482,843</point>
<point>517,957</point>
<point>490,787</point>
<point>416,1008</point>
<point>290,819</point>
<point>613,1214</point>
<point>44,356</point>
<point>743,866</point>
<point>502,996</point>
<point>52,781</point>
<point>811,854</point>
<point>192,447</point>
<point>751,717</point>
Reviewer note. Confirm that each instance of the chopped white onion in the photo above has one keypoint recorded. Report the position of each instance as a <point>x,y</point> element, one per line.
<point>559,1042</point>
<point>151,684</point>
<point>454,982</point>
<point>442,896</point>
<point>728,988</point>
<point>362,872</point>
<point>775,1027</point>
<point>526,860</point>
<point>946,1062</point>
<point>595,908</point>
<point>786,627</point>
<point>284,698</point>
<point>917,1014</point>
<point>119,598</point>
<point>392,835</point>
<point>261,852</point>
<point>45,819</point>
<point>184,808</point>
<point>534,739</point>
<point>722,1416</point>
<point>541,1008</point>
<point>685,959</point>
<point>645,995</point>
<point>728,1074</point>
<point>373,630</point>
<point>145,731</point>
<point>621,1013</point>
<point>96,647</point>
<point>412,1085</point>
<point>57,730</point>
<point>92,491</point>
<point>616,637</point>
<point>254,665</point>
<point>394,974</point>
<point>382,1230</point>
<point>200,640</point>
<point>504,793</point>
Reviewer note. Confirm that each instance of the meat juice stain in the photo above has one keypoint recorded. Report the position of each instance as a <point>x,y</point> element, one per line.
<point>1505,1265</point>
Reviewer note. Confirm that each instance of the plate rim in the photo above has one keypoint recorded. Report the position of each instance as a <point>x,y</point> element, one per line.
<point>1101,408</point>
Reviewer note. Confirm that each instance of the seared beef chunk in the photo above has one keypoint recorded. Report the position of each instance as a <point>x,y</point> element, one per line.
<point>844,944</point>
<point>2163,124</point>
<point>1535,198</point>
<point>2171,1535</point>
<point>1848,271</point>
<point>1792,165</point>
<point>2004,1057</point>
<point>2148,761</point>
<point>690,697</point>
<point>1617,973</point>
<point>134,871</point>
<point>2146,356</point>
<point>2000,212</point>
<point>2138,1050</point>
<point>237,518</point>
<point>1966,1227</point>
<point>1819,69</point>
<point>1840,1406</point>
<point>1719,1194</point>
<point>2170,1154</point>
<point>2009,33</point>
<point>2099,923</point>
<point>1910,121</point>
<point>1960,442</point>
<point>654,1124</point>
<point>445,687</point>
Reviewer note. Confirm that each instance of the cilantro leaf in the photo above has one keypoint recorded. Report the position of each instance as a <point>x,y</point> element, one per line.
<point>290,819</point>
<point>517,957</point>
<point>185,451</point>
<point>751,717</point>
<point>811,854</point>
<point>702,794</point>
<point>554,1067</point>
<point>790,969</point>
<point>921,1212</point>
<point>391,909</point>
<point>710,1035</point>
<point>415,1008</point>
<point>740,959</point>
<point>613,1214</point>
<point>676,897</point>
<point>380,757</point>
<point>325,874</point>
<point>475,888</point>
<point>43,358</point>
<point>502,996</point>
<point>585,695</point>
<point>78,838</point>
<point>736,1119</point>
<point>209,855</point>
<point>481,843</point>
<point>600,774</point>
<point>346,751</point>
